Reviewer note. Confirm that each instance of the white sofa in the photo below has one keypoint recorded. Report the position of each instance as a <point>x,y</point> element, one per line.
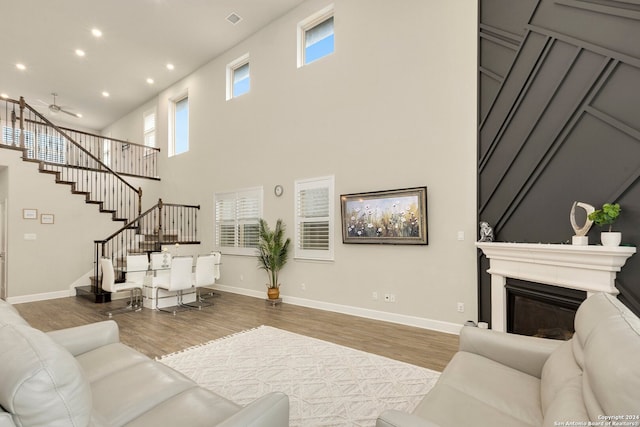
<point>499,379</point>
<point>85,377</point>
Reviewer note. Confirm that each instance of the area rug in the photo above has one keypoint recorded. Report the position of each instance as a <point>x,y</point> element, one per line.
<point>327,384</point>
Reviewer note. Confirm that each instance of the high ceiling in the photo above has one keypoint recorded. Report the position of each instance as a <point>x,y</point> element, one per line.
<point>139,38</point>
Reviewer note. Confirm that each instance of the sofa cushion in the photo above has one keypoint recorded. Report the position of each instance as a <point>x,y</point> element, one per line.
<point>611,369</point>
<point>560,368</point>
<point>591,313</point>
<point>129,388</point>
<point>495,394</point>
<point>567,404</point>
<point>42,384</point>
<point>194,408</point>
<point>103,361</point>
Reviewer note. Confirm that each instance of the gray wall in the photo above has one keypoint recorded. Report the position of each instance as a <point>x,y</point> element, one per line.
<point>559,95</point>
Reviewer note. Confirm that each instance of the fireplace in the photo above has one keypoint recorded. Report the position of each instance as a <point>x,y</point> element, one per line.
<point>588,269</point>
<point>540,310</point>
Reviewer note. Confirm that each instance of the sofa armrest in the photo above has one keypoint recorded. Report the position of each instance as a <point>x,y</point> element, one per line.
<point>393,418</point>
<point>82,339</point>
<point>271,410</point>
<point>524,353</point>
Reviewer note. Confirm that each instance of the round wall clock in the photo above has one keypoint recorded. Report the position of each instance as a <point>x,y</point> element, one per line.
<point>278,190</point>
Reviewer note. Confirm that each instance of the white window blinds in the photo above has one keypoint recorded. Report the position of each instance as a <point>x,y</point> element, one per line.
<point>236,221</point>
<point>314,218</point>
<point>50,148</point>
<point>150,129</point>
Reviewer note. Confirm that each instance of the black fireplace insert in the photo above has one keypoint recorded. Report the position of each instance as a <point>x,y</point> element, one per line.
<point>541,310</point>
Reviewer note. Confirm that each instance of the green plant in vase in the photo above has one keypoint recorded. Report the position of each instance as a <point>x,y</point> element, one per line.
<point>607,216</point>
<point>273,252</point>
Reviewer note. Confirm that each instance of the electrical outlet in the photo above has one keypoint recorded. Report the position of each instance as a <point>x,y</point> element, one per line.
<point>241,277</point>
<point>303,286</point>
<point>387,298</point>
<point>460,307</point>
<point>374,296</point>
<point>392,297</point>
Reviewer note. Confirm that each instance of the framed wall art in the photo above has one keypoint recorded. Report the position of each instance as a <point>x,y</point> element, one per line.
<point>47,218</point>
<point>397,217</point>
<point>29,213</point>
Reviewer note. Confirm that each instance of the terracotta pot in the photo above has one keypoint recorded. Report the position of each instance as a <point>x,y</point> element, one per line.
<point>273,293</point>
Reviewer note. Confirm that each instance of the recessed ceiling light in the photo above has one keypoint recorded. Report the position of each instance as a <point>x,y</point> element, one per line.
<point>234,18</point>
<point>96,32</point>
<point>78,115</point>
<point>4,96</point>
<point>170,67</point>
<point>106,94</point>
<point>80,52</point>
<point>21,67</point>
<point>150,81</point>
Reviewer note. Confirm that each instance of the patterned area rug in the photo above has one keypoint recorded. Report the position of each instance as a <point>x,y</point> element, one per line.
<point>327,384</point>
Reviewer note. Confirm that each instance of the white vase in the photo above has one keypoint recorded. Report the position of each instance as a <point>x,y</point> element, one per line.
<point>611,238</point>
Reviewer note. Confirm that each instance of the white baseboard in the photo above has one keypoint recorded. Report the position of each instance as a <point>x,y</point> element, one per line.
<point>402,319</point>
<point>41,297</point>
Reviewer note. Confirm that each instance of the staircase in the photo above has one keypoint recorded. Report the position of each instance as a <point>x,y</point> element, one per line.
<point>94,167</point>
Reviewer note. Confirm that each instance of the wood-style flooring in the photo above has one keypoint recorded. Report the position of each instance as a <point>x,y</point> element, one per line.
<point>154,333</point>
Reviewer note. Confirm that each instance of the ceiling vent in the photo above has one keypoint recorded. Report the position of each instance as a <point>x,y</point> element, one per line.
<point>234,18</point>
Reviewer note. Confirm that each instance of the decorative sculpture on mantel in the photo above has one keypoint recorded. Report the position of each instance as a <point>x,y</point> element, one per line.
<point>486,232</point>
<point>581,237</point>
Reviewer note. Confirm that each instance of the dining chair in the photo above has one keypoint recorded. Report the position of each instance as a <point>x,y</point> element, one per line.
<point>109,284</point>
<point>177,280</point>
<point>207,271</point>
<point>137,268</point>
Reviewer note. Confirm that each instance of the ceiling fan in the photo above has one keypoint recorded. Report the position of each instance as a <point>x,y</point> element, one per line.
<point>55,108</point>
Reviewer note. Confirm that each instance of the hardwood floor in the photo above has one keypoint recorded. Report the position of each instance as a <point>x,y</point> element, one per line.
<point>154,333</point>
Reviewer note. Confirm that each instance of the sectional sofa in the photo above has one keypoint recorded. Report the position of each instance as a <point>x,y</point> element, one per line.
<point>84,376</point>
<point>500,379</point>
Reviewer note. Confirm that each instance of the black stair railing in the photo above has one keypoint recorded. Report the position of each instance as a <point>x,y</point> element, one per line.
<point>57,152</point>
<point>162,224</point>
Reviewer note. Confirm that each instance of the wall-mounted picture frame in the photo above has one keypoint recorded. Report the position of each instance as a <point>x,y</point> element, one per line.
<point>397,217</point>
<point>29,213</point>
<point>47,218</point>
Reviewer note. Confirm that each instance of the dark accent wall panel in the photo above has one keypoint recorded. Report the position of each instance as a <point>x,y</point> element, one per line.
<point>563,125</point>
<point>500,32</point>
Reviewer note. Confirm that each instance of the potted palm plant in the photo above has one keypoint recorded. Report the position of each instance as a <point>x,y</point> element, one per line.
<point>607,215</point>
<point>273,251</point>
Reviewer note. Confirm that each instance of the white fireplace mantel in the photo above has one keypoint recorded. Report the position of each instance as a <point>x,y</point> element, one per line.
<point>587,268</point>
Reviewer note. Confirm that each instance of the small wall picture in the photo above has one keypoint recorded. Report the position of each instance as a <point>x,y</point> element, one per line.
<point>29,213</point>
<point>396,217</point>
<point>47,219</point>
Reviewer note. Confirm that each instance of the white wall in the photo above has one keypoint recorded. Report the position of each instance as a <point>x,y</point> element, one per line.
<point>393,107</point>
<point>62,252</point>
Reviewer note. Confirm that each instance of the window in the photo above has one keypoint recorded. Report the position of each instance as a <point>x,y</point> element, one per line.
<point>50,148</point>
<point>314,218</point>
<point>238,77</point>
<point>11,136</point>
<point>149,119</point>
<point>236,221</point>
<point>106,152</point>
<point>316,37</point>
<point>179,126</point>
